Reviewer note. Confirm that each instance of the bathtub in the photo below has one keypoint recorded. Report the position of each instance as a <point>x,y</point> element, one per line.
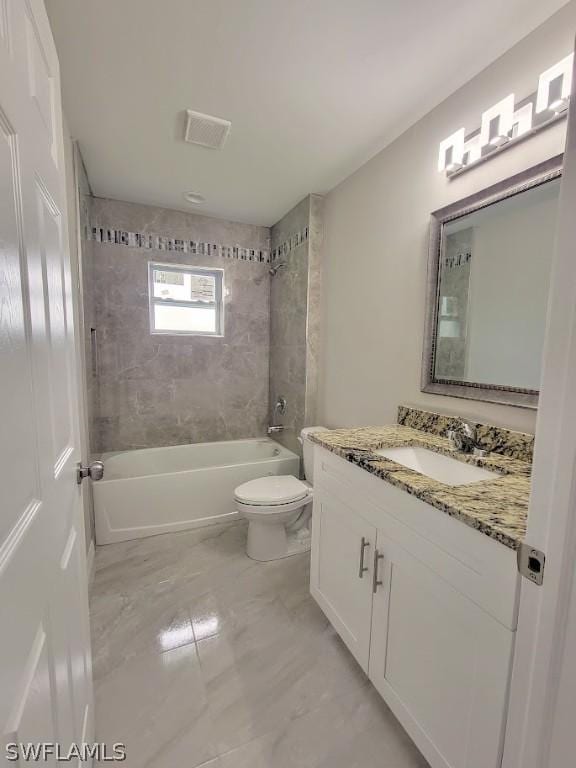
<point>158,490</point>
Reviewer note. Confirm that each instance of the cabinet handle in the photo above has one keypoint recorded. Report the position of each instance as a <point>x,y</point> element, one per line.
<point>362,568</point>
<point>375,581</point>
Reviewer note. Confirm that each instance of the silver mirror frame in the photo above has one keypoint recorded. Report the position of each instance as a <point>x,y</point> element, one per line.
<point>490,393</point>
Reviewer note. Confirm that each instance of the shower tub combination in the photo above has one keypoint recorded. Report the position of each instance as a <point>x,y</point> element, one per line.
<point>159,490</point>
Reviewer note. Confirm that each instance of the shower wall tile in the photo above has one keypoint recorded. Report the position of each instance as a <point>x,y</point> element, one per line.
<point>313,315</point>
<point>132,217</point>
<point>294,320</point>
<point>155,390</point>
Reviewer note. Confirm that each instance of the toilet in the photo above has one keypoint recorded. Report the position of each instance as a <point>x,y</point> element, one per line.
<point>279,509</point>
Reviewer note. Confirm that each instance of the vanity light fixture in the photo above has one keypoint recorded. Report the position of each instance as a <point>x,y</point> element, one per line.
<point>555,86</point>
<point>451,155</point>
<point>522,120</point>
<point>497,123</point>
<point>472,150</point>
<point>508,122</point>
<point>559,106</point>
<point>498,139</point>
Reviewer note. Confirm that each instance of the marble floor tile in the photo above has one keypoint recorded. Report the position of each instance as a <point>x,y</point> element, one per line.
<point>156,705</point>
<point>368,719</point>
<point>268,672</point>
<point>213,614</point>
<point>150,620</point>
<point>335,735</point>
<point>206,659</point>
<point>191,555</point>
<point>250,599</point>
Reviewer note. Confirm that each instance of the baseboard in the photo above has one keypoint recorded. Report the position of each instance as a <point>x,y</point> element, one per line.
<point>90,562</point>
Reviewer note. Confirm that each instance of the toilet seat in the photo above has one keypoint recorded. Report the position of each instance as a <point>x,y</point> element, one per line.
<point>273,513</point>
<point>272,491</point>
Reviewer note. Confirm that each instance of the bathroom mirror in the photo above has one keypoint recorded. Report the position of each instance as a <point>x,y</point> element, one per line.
<point>488,277</point>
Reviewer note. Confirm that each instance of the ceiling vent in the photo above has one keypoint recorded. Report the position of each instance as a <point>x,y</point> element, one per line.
<point>205,130</point>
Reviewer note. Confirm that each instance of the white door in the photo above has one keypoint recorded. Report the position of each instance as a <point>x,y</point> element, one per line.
<point>45,688</point>
<point>541,719</point>
<point>341,571</point>
<point>440,662</point>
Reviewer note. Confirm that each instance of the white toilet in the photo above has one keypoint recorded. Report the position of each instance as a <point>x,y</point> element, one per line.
<point>278,509</point>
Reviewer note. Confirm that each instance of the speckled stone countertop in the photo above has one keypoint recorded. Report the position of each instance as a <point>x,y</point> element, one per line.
<point>496,507</point>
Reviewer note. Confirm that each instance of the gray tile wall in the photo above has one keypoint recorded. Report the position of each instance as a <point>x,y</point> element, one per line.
<point>315,247</point>
<point>294,320</point>
<point>165,390</point>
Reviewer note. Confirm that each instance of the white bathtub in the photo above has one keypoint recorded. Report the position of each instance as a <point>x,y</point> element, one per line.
<point>157,490</point>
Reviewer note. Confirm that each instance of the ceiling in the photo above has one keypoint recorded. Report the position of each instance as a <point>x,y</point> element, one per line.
<point>313,88</point>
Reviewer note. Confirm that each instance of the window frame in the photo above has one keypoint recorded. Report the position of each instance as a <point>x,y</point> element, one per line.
<point>218,303</point>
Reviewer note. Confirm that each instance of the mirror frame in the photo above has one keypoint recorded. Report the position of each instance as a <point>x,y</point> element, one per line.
<point>491,393</point>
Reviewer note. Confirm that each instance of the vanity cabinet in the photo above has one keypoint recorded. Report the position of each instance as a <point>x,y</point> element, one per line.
<point>342,586</point>
<point>431,620</point>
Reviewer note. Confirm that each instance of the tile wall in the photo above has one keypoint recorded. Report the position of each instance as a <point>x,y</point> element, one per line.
<point>295,318</point>
<point>156,390</point>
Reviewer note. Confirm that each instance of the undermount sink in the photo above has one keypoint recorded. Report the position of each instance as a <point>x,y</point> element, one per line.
<point>437,466</point>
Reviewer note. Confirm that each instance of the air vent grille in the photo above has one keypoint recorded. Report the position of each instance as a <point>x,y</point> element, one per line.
<point>205,130</point>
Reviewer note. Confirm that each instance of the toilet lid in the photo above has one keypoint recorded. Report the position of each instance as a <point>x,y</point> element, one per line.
<point>277,489</point>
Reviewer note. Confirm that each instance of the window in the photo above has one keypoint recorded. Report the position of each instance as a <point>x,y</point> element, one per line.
<point>186,300</point>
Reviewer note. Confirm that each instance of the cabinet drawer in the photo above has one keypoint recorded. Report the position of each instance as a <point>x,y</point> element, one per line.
<point>480,568</point>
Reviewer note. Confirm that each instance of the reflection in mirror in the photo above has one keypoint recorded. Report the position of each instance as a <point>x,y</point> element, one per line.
<point>494,277</point>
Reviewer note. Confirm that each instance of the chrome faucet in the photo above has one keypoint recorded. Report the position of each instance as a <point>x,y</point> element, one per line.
<point>464,438</point>
<point>279,408</point>
<point>280,405</point>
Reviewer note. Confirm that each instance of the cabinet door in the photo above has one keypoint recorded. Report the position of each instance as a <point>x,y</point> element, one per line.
<point>341,571</point>
<point>440,662</point>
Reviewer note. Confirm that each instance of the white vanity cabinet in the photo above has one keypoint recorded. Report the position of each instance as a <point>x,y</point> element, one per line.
<point>344,546</point>
<point>431,620</point>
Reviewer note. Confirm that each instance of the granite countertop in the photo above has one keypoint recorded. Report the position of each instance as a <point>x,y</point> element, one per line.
<point>496,507</point>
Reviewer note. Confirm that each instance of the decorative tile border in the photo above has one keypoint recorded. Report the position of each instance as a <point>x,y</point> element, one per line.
<point>162,243</point>
<point>451,262</point>
<point>289,245</point>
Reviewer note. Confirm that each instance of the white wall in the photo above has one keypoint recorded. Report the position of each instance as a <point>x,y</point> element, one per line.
<point>377,241</point>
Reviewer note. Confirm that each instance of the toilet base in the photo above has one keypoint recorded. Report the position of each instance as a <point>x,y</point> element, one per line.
<point>273,542</point>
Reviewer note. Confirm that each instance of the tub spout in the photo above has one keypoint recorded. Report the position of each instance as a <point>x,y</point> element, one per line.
<point>274,430</point>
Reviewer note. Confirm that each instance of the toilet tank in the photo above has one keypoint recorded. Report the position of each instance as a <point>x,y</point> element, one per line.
<point>308,451</point>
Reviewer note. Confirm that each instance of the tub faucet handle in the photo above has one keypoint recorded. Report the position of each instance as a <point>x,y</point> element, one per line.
<point>280,405</point>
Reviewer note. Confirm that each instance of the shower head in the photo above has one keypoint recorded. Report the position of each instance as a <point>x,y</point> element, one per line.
<point>273,270</point>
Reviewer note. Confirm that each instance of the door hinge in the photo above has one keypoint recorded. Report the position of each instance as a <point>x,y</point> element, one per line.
<point>531,563</point>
